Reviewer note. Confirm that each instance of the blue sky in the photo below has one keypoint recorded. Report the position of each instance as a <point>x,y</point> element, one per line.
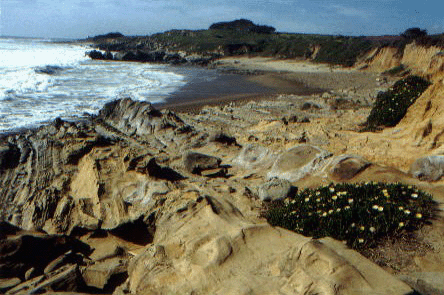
<point>80,18</point>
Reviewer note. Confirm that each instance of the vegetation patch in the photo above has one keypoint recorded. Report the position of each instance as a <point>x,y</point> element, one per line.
<point>400,70</point>
<point>359,214</point>
<point>391,106</point>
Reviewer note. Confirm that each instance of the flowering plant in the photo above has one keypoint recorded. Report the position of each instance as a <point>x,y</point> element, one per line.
<point>391,106</point>
<point>358,214</point>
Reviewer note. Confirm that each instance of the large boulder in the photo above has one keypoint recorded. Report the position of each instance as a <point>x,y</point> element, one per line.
<point>195,163</point>
<point>429,168</point>
<point>275,189</point>
<point>344,167</point>
<point>298,162</point>
<point>136,117</point>
<point>253,156</point>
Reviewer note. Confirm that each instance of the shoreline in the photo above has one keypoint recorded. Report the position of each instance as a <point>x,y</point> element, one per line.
<point>233,87</point>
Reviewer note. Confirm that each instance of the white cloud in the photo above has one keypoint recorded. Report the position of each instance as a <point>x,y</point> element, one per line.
<point>350,11</point>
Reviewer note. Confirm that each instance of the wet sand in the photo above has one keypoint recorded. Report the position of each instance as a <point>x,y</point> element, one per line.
<point>275,77</point>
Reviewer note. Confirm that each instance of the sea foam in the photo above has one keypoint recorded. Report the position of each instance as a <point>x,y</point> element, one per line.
<point>40,81</point>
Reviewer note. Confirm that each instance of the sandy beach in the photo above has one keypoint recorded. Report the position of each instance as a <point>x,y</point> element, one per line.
<point>245,79</point>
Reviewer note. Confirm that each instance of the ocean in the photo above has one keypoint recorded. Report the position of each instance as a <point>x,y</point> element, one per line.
<point>41,80</point>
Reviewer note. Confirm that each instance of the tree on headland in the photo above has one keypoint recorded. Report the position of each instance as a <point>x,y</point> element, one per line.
<point>414,33</point>
<point>112,35</point>
<point>244,25</point>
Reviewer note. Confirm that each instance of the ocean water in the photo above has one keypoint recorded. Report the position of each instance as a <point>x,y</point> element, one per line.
<point>42,80</point>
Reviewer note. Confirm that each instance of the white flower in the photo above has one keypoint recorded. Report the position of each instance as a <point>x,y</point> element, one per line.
<point>400,208</point>
<point>347,207</point>
<point>414,196</point>
<point>362,227</point>
<point>307,199</point>
<point>318,200</point>
<point>401,224</point>
<point>350,201</point>
<point>372,229</point>
<point>380,208</point>
<point>334,198</point>
<point>324,214</point>
<point>407,212</point>
<point>330,211</point>
<point>360,241</point>
<point>375,207</point>
<point>332,189</point>
<point>353,224</point>
<point>318,193</point>
<point>338,210</point>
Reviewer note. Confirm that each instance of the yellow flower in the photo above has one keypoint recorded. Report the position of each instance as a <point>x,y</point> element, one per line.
<point>418,215</point>
<point>307,199</point>
<point>380,208</point>
<point>362,227</point>
<point>324,214</point>
<point>401,224</point>
<point>350,201</point>
<point>360,241</point>
<point>332,189</point>
<point>335,197</point>
<point>375,207</point>
<point>372,229</point>
<point>330,211</point>
<point>414,196</point>
<point>347,207</point>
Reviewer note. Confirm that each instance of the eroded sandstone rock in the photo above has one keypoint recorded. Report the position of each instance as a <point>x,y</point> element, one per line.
<point>429,168</point>
<point>139,118</point>
<point>196,162</point>
<point>298,162</point>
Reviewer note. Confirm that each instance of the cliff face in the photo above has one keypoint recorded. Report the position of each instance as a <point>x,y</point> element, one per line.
<point>420,132</point>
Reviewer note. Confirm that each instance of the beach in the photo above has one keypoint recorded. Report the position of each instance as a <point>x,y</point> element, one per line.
<point>244,79</point>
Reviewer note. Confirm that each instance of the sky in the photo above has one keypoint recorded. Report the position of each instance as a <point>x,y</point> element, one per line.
<point>82,18</point>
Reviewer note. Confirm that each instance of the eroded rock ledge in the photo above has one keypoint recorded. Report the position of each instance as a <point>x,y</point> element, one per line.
<point>138,193</point>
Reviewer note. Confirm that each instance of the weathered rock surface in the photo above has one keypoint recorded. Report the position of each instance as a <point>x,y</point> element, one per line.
<point>429,168</point>
<point>275,189</point>
<point>344,167</point>
<point>230,255</point>
<point>253,156</point>
<point>298,162</point>
<point>196,162</point>
<point>139,118</point>
<point>117,184</point>
<point>429,283</point>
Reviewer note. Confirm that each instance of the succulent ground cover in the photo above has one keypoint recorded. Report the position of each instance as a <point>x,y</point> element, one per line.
<point>358,214</point>
<point>391,106</point>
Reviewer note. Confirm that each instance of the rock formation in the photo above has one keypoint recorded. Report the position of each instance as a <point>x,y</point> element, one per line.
<point>101,205</point>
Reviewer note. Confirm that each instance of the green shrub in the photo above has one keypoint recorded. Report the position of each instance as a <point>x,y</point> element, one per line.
<point>359,214</point>
<point>391,106</point>
<point>342,50</point>
<point>398,70</point>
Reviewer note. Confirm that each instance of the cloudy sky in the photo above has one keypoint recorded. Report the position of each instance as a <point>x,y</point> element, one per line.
<point>80,18</point>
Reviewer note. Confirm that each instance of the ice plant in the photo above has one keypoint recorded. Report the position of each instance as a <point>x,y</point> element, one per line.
<point>361,219</point>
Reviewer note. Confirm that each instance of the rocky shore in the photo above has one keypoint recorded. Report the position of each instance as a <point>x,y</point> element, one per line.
<point>140,200</point>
